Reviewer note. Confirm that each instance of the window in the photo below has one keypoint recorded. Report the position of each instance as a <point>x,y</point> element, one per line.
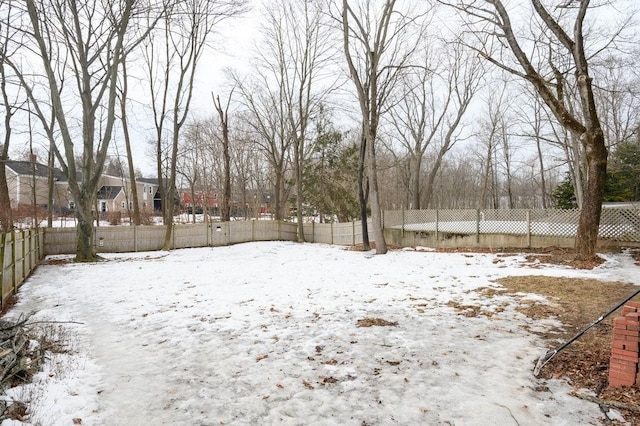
<point>103,206</point>
<point>123,205</point>
<point>72,205</point>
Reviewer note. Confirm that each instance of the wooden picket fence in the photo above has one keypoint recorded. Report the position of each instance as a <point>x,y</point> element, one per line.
<point>123,239</point>
<point>20,253</point>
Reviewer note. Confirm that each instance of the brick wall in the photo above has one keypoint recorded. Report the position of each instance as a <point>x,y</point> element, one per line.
<point>623,366</point>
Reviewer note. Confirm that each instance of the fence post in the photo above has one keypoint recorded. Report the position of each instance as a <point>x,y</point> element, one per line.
<point>477,226</point>
<point>331,232</point>
<point>528,228</point>
<point>39,244</point>
<point>13,259</point>
<point>437,225</point>
<point>402,214</point>
<point>353,232</point>
<point>26,252</point>
<point>135,238</point>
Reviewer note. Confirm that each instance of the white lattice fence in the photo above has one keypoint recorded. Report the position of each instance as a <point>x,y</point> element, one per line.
<point>557,223</point>
<point>620,224</point>
<point>504,222</point>
<point>616,224</point>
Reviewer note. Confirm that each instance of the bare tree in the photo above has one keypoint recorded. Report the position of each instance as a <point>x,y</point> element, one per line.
<point>429,107</point>
<point>490,134</point>
<point>10,105</point>
<point>270,133</point>
<point>618,98</point>
<point>377,48</point>
<point>247,165</point>
<point>555,51</point>
<point>190,159</point>
<point>284,93</point>
<point>303,47</point>
<point>223,113</point>
<point>532,126</point>
<point>124,91</point>
<point>85,41</point>
<point>172,57</point>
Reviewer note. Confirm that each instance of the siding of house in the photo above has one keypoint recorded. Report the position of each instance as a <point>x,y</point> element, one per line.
<point>21,183</point>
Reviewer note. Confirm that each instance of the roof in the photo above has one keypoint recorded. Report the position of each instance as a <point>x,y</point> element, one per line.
<point>108,192</point>
<point>25,168</point>
<point>151,181</point>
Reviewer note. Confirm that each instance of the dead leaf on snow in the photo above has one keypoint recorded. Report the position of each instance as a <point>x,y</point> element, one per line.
<point>379,322</point>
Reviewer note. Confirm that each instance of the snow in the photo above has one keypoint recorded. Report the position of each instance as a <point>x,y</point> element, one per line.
<point>266,333</point>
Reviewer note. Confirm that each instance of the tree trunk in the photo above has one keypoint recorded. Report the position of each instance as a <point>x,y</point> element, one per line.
<point>376,212</point>
<point>298,171</point>
<point>226,195</point>
<point>127,144</point>
<point>85,249</point>
<point>485,179</point>
<point>223,113</point>
<point>278,191</point>
<point>50,186</point>
<point>363,191</point>
<point>6,221</point>
<point>416,165</point>
<point>588,226</point>
<point>169,209</point>
<point>543,183</point>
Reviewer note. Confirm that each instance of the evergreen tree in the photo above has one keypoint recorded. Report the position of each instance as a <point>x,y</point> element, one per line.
<point>564,196</point>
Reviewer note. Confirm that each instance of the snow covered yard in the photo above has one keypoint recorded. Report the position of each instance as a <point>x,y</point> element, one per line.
<point>268,333</point>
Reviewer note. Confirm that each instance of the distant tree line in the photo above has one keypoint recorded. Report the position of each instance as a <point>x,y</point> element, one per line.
<point>348,107</point>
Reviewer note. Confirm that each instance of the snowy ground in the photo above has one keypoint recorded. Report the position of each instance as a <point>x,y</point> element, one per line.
<point>266,333</point>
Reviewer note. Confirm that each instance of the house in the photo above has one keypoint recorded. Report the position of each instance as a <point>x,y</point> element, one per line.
<point>111,199</point>
<point>150,194</point>
<point>27,180</point>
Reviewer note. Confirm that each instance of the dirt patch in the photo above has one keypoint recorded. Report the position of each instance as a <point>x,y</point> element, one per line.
<point>566,259</point>
<point>472,310</point>
<point>577,303</point>
<point>57,261</point>
<point>547,255</point>
<point>376,322</point>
